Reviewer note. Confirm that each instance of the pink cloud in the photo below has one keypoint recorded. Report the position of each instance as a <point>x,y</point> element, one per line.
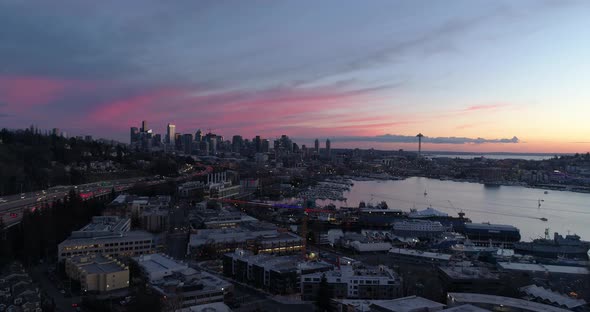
<point>483,107</point>
<point>24,92</point>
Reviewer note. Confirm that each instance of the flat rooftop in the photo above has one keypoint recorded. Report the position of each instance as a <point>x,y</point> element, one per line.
<point>466,308</point>
<point>207,307</point>
<point>407,304</point>
<point>157,262</point>
<point>115,238</point>
<point>521,304</point>
<point>468,273</point>
<point>97,264</point>
<point>105,224</point>
<point>534,267</point>
<point>420,254</point>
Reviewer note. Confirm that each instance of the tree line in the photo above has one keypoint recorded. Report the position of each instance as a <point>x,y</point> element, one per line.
<point>37,235</point>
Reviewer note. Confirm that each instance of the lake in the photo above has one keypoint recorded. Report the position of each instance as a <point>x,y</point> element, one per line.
<point>514,205</point>
<point>493,156</point>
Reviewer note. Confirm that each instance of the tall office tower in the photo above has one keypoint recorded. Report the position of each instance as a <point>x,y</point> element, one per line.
<point>304,150</point>
<point>156,140</point>
<point>56,132</point>
<point>144,126</point>
<point>317,146</point>
<point>170,133</point>
<point>199,136</point>
<point>328,151</point>
<point>237,143</point>
<point>134,135</point>
<point>265,146</point>
<point>187,143</point>
<point>258,144</point>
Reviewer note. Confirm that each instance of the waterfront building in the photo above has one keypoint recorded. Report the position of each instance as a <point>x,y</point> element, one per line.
<point>418,256</point>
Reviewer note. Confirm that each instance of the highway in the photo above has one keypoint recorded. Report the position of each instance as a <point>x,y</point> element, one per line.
<point>13,206</point>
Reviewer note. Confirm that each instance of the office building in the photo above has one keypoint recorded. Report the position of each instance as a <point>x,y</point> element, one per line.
<point>237,143</point>
<point>198,136</point>
<point>170,133</point>
<point>275,274</point>
<point>257,144</point>
<point>354,281</point>
<point>181,285</point>
<point>106,235</point>
<point>265,147</point>
<point>328,149</point>
<point>187,143</point>
<point>97,272</point>
<point>316,146</point>
<point>134,135</point>
<point>144,127</point>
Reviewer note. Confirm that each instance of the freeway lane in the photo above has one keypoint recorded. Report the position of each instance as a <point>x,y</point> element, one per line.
<point>12,207</point>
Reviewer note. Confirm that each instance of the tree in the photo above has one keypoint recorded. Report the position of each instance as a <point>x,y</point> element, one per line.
<point>113,194</point>
<point>324,296</point>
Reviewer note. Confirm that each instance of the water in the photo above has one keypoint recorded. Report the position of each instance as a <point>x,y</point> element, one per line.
<point>515,205</point>
<point>493,156</point>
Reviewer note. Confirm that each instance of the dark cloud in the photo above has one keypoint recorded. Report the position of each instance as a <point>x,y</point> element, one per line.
<point>392,138</point>
<point>41,44</point>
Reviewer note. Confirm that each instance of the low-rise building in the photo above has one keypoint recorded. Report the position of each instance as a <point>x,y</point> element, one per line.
<point>17,291</point>
<point>256,237</point>
<point>180,285</point>
<point>97,272</point>
<point>543,269</point>
<point>419,256</point>
<point>499,303</point>
<point>276,274</point>
<point>115,243</point>
<point>547,296</point>
<point>407,304</point>
<point>354,281</point>
<point>466,278</point>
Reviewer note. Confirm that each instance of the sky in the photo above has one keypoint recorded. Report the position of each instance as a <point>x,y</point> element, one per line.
<point>481,76</point>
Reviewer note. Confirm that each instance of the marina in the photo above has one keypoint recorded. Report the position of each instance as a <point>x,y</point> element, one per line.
<point>564,212</point>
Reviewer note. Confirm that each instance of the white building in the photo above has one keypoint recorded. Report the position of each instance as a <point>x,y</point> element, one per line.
<point>355,281</point>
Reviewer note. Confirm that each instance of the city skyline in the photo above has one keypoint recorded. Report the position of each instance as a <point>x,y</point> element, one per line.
<point>476,77</point>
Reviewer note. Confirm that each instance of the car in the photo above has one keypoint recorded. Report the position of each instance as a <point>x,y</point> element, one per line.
<point>22,196</point>
<point>3,200</point>
<point>62,291</point>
